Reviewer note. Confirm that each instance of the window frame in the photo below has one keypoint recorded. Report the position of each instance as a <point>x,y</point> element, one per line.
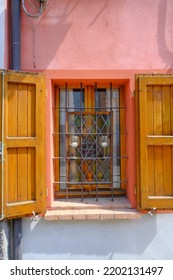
<point>123,106</point>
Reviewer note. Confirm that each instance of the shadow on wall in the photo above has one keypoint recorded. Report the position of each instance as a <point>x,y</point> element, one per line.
<point>88,240</point>
<point>48,33</point>
<point>56,28</point>
<point>165,35</point>
<point>54,23</point>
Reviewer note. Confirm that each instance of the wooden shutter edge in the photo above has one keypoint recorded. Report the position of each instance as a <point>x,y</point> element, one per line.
<point>138,185</point>
<point>42,191</point>
<point>1,194</point>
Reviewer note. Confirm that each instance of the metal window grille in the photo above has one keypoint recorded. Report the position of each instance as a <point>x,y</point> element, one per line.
<point>88,135</point>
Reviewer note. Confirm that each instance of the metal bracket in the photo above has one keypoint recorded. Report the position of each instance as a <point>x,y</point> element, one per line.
<point>152,212</point>
<point>35,217</point>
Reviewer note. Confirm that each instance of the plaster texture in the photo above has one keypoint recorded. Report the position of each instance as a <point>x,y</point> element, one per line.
<point>146,238</point>
<point>99,34</point>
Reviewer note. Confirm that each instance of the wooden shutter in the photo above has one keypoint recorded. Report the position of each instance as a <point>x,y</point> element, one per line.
<point>23,144</point>
<point>154,100</point>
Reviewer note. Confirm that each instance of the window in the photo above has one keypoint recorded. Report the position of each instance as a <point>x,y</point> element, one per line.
<point>89,136</point>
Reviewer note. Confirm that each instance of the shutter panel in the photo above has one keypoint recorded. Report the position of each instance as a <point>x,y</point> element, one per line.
<point>23,137</point>
<point>154,100</point>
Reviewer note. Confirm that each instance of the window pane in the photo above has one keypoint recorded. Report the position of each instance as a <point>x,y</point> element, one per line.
<point>89,137</point>
<point>116,138</point>
<point>103,100</point>
<point>75,100</point>
<point>62,174</point>
<point>62,149</point>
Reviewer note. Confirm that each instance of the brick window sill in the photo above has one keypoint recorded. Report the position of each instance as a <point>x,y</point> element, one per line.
<point>89,209</point>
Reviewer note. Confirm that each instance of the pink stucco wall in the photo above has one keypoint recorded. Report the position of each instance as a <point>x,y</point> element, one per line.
<point>99,39</point>
<point>99,34</point>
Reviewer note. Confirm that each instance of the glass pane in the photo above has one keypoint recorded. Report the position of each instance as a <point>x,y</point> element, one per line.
<point>116,138</point>
<point>75,100</point>
<point>62,174</point>
<point>62,111</point>
<point>103,100</point>
<point>62,139</point>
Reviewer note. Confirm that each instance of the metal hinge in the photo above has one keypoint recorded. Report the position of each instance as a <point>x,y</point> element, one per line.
<point>0,148</point>
<point>134,93</point>
<point>152,212</point>
<point>1,151</point>
<point>135,190</point>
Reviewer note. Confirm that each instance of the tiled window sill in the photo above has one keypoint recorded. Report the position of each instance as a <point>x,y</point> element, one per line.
<point>89,209</point>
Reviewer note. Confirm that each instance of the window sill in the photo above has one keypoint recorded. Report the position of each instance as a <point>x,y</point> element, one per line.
<point>104,209</point>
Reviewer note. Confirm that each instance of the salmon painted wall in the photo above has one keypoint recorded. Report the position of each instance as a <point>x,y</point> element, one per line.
<point>99,34</point>
<point>99,39</point>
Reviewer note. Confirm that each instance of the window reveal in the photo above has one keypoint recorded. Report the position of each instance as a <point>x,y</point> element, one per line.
<point>89,142</point>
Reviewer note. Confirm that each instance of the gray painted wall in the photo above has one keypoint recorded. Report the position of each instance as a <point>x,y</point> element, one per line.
<point>147,238</point>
